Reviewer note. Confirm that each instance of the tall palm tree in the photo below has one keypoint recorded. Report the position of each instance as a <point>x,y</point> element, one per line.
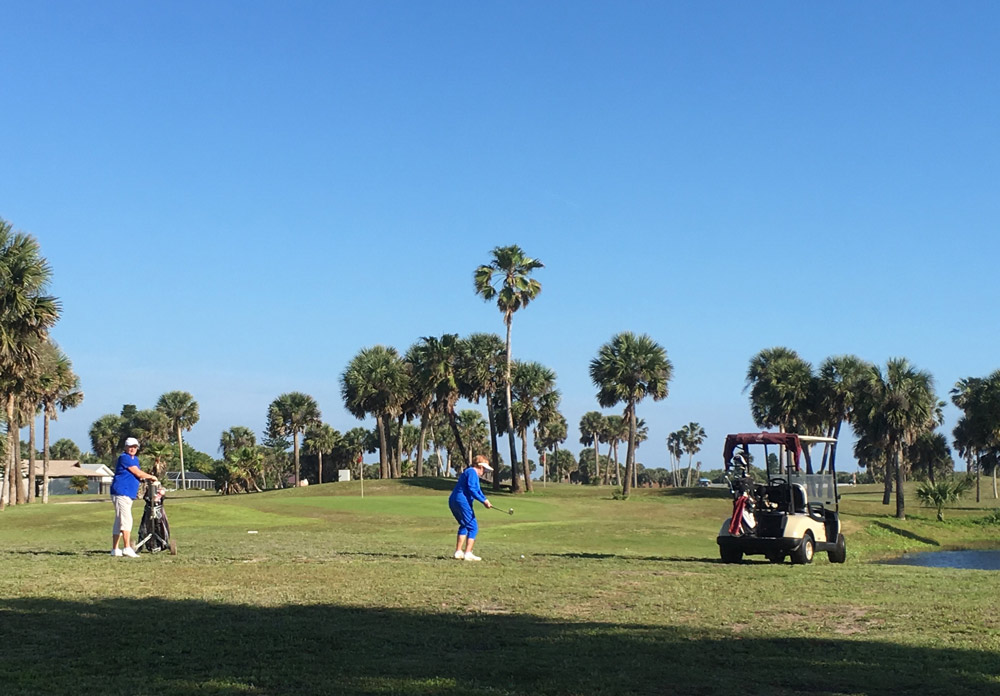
<point>482,365</point>
<point>376,382</point>
<point>289,415</point>
<point>533,390</point>
<point>320,438</point>
<point>675,446</point>
<point>550,432</point>
<point>181,410</point>
<point>893,409</point>
<point>626,370</point>
<point>157,451</point>
<point>840,379</point>
<point>507,279</point>
<point>693,435</point>
<point>436,364</point>
<point>26,315</point>
<point>591,427</point>
<point>60,392</point>
<point>236,437</point>
<point>779,382</point>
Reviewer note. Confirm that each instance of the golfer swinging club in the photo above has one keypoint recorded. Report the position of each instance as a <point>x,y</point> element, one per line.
<point>460,501</point>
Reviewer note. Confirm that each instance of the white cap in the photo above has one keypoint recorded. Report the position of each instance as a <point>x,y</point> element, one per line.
<point>482,461</point>
<point>131,442</point>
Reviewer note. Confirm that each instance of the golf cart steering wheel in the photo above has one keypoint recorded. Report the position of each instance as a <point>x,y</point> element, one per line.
<point>778,482</point>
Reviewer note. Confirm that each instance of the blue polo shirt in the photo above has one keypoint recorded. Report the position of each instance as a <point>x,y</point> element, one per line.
<point>125,482</point>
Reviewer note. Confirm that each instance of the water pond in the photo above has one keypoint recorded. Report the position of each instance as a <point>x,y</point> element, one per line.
<point>988,559</point>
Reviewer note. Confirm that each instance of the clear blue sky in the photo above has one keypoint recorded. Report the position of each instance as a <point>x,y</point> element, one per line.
<point>236,197</point>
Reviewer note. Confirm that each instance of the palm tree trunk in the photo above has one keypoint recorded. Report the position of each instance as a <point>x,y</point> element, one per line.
<point>180,453</point>
<point>31,459</point>
<point>45,457</point>
<point>524,460</point>
<point>423,441</point>
<point>398,472</point>
<point>900,503</point>
<point>887,481</point>
<point>515,482</point>
<point>630,452</point>
<point>494,449</point>
<point>383,462</point>
<point>21,497</point>
<point>459,445</point>
<point>319,478</point>
<point>687,481</point>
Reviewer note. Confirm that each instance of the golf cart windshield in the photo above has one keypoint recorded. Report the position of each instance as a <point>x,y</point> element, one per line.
<point>782,457</point>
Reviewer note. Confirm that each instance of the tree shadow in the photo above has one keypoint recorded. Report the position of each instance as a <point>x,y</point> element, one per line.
<point>610,556</point>
<point>906,534</point>
<point>188,647</point>
<point>431,483</point>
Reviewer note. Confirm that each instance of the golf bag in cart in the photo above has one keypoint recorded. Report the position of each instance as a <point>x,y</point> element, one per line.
<point>154,530</point>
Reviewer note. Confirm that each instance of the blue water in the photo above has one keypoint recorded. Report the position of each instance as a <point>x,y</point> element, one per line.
<point>971,560</point>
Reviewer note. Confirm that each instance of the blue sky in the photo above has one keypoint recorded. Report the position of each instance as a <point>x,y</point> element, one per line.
<point>236,197</point>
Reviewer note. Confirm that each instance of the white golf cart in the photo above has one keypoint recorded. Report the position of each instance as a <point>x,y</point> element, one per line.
<point>794,514</point>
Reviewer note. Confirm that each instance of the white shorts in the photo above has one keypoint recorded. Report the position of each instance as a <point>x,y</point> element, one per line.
<point>123,514</point>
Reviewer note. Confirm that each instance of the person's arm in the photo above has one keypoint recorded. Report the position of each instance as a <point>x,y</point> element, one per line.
<point>140,474</point>
<point>477,492</point>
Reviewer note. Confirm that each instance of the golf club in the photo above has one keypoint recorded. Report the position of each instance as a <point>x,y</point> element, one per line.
<point>508,511</point>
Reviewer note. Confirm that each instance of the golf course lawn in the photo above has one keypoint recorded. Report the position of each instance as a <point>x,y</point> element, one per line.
<point>577,593</point>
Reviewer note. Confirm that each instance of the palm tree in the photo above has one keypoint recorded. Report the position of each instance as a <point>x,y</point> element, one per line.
<point>591,426</point>
<point>157,451</point>
<point>930,452</point>
<point>692,436</point>
<point>533,390</point>
<point>236,437</point>
<point>779,382</point>
<point>320,438</point>
<point>288,416</point>
<point>675,446</point>
<point>181,410</point>
<point>550,432</point>
<point>937,495</point>
<point>627,369</point>
<point>436,370</point>
<point>26,315</point>
<point>106,436</point>
<point>507,278</point>
<point>840,379</point>
<point>893,408</point>
<point>482,366</point>
<point>376,383</point>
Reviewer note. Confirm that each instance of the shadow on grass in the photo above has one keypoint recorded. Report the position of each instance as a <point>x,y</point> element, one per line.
<point>432,483</point>
<point>610,556</point>
<point>166,647</point>
<point>905,534</point>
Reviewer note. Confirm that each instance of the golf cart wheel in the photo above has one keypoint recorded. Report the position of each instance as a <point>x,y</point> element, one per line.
<point>173,547</point>
<point>805,551</point>
<point>730,555</point>
<point>838,554</point>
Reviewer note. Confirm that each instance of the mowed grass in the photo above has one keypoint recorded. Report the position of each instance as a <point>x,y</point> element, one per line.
<point>338,594</point>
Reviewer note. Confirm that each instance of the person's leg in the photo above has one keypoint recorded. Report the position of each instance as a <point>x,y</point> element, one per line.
<point>126,525</point>
<point>459,544</point>
<point>116,531</point>
<point>473,528</point>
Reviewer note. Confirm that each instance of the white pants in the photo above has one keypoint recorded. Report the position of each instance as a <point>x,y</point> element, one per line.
<point>123,514</point>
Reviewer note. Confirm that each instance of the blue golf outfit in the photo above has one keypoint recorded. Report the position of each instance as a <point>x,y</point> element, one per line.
<point>125,482</point>
<point>460,501</point>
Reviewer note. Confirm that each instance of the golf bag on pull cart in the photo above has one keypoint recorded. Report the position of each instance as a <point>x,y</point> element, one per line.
<point>154,530</point>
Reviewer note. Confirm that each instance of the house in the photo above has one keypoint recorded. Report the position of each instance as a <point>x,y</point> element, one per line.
<point>62,470</point>
<point>192,479</point>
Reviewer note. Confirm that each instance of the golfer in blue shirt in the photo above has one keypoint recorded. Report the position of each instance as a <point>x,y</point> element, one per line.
<point>460,501</point>
<point>125,489</point>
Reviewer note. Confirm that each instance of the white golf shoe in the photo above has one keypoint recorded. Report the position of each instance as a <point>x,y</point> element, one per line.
<point>116,551</point>
<point>469,556</point>
<point>127,551</point>
<point>459,555</point>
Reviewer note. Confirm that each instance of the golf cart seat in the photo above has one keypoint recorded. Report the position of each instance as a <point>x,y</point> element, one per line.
<point>800,503</point>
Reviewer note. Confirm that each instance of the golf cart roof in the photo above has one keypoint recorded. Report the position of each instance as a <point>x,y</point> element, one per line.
<point>790,441</point>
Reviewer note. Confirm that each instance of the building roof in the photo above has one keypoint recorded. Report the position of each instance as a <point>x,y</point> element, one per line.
<point>189,475</point>
<point>66,468</point>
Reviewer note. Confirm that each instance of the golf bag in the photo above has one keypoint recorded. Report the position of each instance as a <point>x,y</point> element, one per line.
<point>154,530</point>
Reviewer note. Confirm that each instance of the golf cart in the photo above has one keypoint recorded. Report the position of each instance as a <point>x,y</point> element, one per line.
<point>794,514</point>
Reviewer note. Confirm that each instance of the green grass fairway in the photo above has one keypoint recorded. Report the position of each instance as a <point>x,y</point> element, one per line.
<point>335,594</point>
